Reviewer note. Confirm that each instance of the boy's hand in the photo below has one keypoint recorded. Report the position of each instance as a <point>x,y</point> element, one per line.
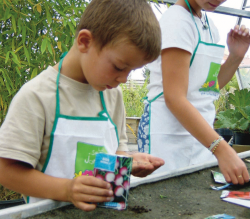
<point>145,164</point>
<point>85,191</point>
<point>238,41</point>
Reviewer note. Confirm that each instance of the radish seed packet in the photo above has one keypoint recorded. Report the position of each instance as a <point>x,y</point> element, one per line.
<point>116,170</point>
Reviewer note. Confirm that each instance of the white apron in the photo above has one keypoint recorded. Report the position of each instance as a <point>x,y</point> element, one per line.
<point>167,138</point>
<point>75,141</point>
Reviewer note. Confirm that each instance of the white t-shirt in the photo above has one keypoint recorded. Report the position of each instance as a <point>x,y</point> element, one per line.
<point>178,31</point>
<point>25,133</point>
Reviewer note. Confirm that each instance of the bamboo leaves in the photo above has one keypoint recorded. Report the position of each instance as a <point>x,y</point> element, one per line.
<point>13,23</point>
<point>33,35</point>
<point>44,45</point>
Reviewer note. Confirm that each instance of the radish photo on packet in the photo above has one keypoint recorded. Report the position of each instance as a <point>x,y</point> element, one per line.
<point>116,170</point>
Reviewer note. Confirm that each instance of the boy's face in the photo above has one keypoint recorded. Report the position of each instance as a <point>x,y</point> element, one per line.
<point>107,68</point>
<point>209,5</point>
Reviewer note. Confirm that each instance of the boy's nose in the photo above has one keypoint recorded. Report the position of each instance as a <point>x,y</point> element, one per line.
<point>123,77</point>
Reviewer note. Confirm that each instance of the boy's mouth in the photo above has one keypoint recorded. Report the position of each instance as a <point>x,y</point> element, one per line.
<point>109,87</point>
<point>214,6</point>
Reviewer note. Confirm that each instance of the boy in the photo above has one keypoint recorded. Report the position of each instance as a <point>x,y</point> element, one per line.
<point>59,120</point>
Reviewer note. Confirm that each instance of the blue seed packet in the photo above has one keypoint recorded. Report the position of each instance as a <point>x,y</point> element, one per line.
<point>221,216</point>
<point>116,170</point>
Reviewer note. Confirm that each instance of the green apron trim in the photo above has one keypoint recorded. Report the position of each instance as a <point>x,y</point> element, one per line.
<point>58,115</point>
<point>149,122</point>
<point>106,111</point>
<point>199,37</point>
<point>101,118</point>
<point>209,28</point>
<point>212,44</point>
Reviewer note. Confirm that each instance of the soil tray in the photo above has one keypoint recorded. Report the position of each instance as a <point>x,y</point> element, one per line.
<point>185,196</point>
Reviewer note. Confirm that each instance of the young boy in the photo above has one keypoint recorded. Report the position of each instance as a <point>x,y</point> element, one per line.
<point>59,120</point>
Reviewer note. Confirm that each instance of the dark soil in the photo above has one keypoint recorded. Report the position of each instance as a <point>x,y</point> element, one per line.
<point>6,194</point>
<point>187,196</point>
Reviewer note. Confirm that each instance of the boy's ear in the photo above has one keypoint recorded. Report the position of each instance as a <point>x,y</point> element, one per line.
<point>84,40</point>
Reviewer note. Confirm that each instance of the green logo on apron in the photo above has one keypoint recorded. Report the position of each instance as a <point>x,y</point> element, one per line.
<point>211,83</point>
<point>85,158</point>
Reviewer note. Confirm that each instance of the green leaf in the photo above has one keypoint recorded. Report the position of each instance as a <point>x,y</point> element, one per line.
<point>7,14</point>
<point>8,82</point>
<point>18,71</point>
<point>14,55</point>
<point>7,57</point>
<point>19,23</point>
<point>13,23</point>
<point>39,8</point>
<point>1,81</point>
<point>26,54</point>
<point>13,45</point>
<point>64,22</point>
<point>18,49</point>
<point>44,45</point>
<point>73,21</point>
<point>24,34</point>
<point>240,98</point>
<point>243,124</point>
<point>64,47</point>
<point>50,48</point>
<point>59,45</point>
<point>15,58</point>
<point>49,19</point>
<point>34,73</point>
<point>60,12</point>
<point>71,28</point>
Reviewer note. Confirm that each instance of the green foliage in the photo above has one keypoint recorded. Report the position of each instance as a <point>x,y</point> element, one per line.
<point>240,98</point>
<point>132,97</point>
<point>237,119</point>
<point>222,103</point>
<point>33,35</point>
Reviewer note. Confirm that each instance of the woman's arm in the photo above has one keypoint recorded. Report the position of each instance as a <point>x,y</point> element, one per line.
<point>238,41</point>
<point>175,71</point>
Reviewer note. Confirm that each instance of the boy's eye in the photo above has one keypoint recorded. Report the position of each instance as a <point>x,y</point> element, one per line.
<point>116,68</point>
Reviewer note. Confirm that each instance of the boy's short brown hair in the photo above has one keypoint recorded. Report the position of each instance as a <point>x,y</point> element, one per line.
<point>112,21</point>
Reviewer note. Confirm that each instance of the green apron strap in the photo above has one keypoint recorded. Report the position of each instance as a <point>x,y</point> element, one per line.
<point>199,36</point>
<point>209,28</point>
<point>57,84</point>
<point>106,111</point>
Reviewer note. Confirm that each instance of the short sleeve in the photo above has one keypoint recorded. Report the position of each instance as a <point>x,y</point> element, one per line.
<point>21,134</point>
<point>178,29</point>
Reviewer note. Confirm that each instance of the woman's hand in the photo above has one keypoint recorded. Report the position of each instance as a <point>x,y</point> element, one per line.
<point>238,40</point>
<point>231,166</point>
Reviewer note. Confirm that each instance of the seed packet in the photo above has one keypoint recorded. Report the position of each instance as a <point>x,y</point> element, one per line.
<point>235,194</point>
<point>218,177</point>
<point>236,197</point>
<point>116,170</point>
<point>221,216</point>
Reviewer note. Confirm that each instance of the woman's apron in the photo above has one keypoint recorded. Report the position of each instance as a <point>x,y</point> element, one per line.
<point>161,134</point>
<point>75,141</point>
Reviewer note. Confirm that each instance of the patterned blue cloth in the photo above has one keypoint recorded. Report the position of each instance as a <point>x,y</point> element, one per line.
<point>143,131</point>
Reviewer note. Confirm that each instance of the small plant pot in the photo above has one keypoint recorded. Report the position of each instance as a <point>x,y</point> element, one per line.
<point>241,138</point>
<point>11,203</point>
<point>225,133</point>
